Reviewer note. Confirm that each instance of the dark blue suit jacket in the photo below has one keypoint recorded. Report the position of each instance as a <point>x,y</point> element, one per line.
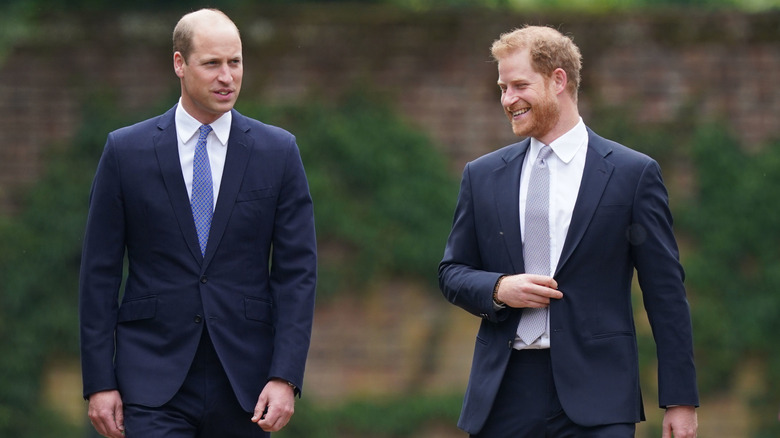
<point>621,222</point>
<point>254,288</point>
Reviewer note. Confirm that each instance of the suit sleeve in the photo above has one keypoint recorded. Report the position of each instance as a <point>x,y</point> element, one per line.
<point>101,275</point>
<point>293,271</point>
<point>661,276</point>
<point>462,279</point>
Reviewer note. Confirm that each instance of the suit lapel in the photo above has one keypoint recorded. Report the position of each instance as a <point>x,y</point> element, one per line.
<point>507,197</point>
<point>594,179</point>
<point>166,147</point>
<point>238,152</point>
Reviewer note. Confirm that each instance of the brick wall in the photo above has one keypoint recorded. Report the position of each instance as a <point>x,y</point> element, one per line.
<point>434,66</point>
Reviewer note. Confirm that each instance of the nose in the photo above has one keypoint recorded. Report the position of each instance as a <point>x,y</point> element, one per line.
<point>508,98</point>
<point>225,76</point>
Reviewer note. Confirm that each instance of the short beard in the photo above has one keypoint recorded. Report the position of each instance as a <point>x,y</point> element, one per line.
<point>544,116</point>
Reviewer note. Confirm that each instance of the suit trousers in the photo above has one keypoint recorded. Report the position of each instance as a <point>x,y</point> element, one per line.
<point>527,405</point>
<point>204,407</point>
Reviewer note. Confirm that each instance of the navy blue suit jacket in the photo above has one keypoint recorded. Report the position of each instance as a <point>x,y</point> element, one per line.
<point>621,222</point>
<point>253,289</point>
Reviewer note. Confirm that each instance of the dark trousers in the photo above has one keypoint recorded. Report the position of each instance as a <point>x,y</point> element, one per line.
<point>204,407</point>
<point>527,405</point>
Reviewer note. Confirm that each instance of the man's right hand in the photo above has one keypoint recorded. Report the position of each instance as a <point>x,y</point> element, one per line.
<point>106,413</point>
<point>528,290</point>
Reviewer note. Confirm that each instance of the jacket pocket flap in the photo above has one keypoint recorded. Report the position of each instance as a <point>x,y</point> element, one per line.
<point>142,308</point>
<point>259,310</point>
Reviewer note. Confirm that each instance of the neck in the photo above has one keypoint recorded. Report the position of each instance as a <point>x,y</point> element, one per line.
<point>569,117</point>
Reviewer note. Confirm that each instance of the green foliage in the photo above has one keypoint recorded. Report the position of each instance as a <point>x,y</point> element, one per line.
<point>39,260</point>
<point>383,198</point>
<point>731,227</point>
<point>735,269</point>
<point>48,7</point>
<point>401,417</point>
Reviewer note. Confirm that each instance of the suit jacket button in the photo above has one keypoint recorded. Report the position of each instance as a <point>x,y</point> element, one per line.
<point>198,319</point>
<point>204,279</point>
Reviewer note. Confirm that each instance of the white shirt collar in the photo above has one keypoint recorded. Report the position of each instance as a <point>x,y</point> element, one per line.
<point>565,146</point>
<point>187,126</point>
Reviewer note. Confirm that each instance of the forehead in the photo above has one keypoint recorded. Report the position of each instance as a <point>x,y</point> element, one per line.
<point>216,38</point>
<point>516,66</point>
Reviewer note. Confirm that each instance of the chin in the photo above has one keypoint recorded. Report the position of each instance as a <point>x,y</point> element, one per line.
<point>519,131</point>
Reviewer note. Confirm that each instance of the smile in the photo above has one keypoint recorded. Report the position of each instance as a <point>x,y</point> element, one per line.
<point>520,112</point>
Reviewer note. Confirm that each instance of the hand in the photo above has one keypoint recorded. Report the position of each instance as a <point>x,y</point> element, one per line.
<point>105,413</point>
<point>680,422</point>
<point>528,290</point>
<point>275,406</point>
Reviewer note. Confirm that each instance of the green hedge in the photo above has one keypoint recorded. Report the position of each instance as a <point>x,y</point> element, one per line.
<point>39,260</point>
<point>383,196</point>
<point>725,199</point>
<point>397,417</point>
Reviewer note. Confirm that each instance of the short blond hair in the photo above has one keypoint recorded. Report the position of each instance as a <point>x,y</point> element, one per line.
<point>549,50</point>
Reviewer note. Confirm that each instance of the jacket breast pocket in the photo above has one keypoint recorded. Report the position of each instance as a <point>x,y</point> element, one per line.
<point>253,195</point>
<point>614,209</point>
<point>138,309</point>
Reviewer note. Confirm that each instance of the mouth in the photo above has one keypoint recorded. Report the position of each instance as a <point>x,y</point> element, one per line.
<point>519,112</point>
<point>224,93</point>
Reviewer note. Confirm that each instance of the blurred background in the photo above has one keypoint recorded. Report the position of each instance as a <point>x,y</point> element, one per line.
<point>389,99</point>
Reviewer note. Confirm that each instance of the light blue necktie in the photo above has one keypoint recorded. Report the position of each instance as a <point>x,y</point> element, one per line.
<point>202,189</point>
<point>536,245</point>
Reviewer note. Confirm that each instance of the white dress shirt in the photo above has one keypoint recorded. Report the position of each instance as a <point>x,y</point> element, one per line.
<point>566,165</point>
<point>187,129</point>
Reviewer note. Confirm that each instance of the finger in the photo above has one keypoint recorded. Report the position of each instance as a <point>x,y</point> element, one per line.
<point>260,411</point>
<point>106,427</point>
<point>277,424</point>
<point>266,423</point>
<point>101,425</point>
<point>275,419</point>
<point>548,293</point>
<point>111,429</point>
<point>543,280</point>
<point>119,419</point>
<point>98,428</point>
<point>535,303</point>
<point>271,418</point>
<point>539,295</point>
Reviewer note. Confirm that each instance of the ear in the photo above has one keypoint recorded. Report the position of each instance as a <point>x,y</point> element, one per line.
<point>559,80</point>
<point>178,64</point>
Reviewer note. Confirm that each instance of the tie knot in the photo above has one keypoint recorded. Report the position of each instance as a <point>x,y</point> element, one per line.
<point>204,131</point>
<point>544,153</point>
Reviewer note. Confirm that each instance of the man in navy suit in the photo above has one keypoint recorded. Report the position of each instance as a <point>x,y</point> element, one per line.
<point>214,325</point>
<point>605,214</point>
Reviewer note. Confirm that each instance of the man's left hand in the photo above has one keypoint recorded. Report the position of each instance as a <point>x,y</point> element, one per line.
<point>275,406</point>
<point>680,422</point>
